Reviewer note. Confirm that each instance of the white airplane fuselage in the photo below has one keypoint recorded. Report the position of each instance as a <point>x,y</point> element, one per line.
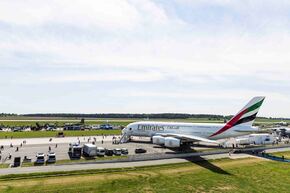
<point>205,130</point>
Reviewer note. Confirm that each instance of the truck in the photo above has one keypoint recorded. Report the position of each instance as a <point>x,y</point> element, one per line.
<point>89,150</point>
<point>75,150</point>
<point>17,162</point>
<point>261,139</point>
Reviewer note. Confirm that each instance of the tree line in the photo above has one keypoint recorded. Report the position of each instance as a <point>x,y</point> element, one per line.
<point>129,115</point>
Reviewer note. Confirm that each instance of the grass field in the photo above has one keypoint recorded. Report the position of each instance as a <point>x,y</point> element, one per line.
<point>34,134</point>
<point>4,166</point>
<point>241,175</point>
<point>286,154</point>
<point>120,122</point>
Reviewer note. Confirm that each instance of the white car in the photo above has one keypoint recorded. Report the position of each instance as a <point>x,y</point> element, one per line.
<point>39,158</point>
<point>101,151</point>
<point>51,157</point>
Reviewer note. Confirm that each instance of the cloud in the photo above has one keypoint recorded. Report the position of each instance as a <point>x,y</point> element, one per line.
<point>177,50</point>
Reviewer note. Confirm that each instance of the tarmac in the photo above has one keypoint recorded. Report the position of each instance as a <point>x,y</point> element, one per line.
<point>155,155</point>
<point>90,166</point>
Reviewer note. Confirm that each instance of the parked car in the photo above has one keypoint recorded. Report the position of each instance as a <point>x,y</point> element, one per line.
<point>39,158</point>
<point>140,150</point>
<point>109,152</point>
<point>117,151</point>
<point>100,151</point>
<point>106,127</point>
<point>51,157</point>
<point>124,151</point>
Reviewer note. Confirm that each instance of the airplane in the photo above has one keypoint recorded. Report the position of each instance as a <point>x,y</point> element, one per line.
<point>175,134</point>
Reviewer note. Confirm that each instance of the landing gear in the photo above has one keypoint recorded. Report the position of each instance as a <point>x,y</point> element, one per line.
<point>185,147</point>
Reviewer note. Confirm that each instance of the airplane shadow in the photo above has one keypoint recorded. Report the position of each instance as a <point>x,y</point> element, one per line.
<point>207,165</point>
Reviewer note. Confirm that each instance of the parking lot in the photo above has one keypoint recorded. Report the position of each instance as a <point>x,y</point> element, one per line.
<point>61,145</point>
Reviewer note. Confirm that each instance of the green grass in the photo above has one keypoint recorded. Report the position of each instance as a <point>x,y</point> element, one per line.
<point>117,122</point>
<point>286,154</point>
<point>245,175</point>
<point>4,165</point>
<point>28,121</point>
<point>34,134</point>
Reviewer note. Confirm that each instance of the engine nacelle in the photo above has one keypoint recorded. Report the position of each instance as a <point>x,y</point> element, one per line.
<point>172,142</point>
<point>159,140</point>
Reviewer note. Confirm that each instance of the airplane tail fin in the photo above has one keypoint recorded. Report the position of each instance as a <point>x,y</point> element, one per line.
<point>248,114</point>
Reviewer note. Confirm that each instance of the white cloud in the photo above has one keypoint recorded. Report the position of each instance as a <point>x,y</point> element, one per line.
<point>142,42</point>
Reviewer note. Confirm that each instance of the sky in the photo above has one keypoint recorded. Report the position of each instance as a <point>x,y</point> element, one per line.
<point>144,56</point>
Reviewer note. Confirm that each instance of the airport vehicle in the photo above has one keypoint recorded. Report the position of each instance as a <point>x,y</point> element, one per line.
<point>100,151</point>
<point>26,159</point>
<point>75,150</point>
<point>283,131</point>
<point>117,151</point>
<point>106,127</point>
<point>51,157</point>
<point>172,134</point>
<point>89,150</point>
<point>17,162</point>
<point>124,151</point>
<point>140,150</point>
<point>40,158</point>
<point>17,129</point>
<point>109,152</point>
<point>261,139</point>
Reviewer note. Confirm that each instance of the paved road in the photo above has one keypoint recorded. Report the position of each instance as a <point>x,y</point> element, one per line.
<point>88,166</point>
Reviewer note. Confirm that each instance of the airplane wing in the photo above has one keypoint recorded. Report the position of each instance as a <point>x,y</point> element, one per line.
<point>188,137</point>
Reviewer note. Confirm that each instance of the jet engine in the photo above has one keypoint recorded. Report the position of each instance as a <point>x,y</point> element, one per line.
<point>172,142</point>
<point>159,140</point>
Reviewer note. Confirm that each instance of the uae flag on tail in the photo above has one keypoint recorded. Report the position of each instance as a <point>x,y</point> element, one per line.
<point>246,116</point>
